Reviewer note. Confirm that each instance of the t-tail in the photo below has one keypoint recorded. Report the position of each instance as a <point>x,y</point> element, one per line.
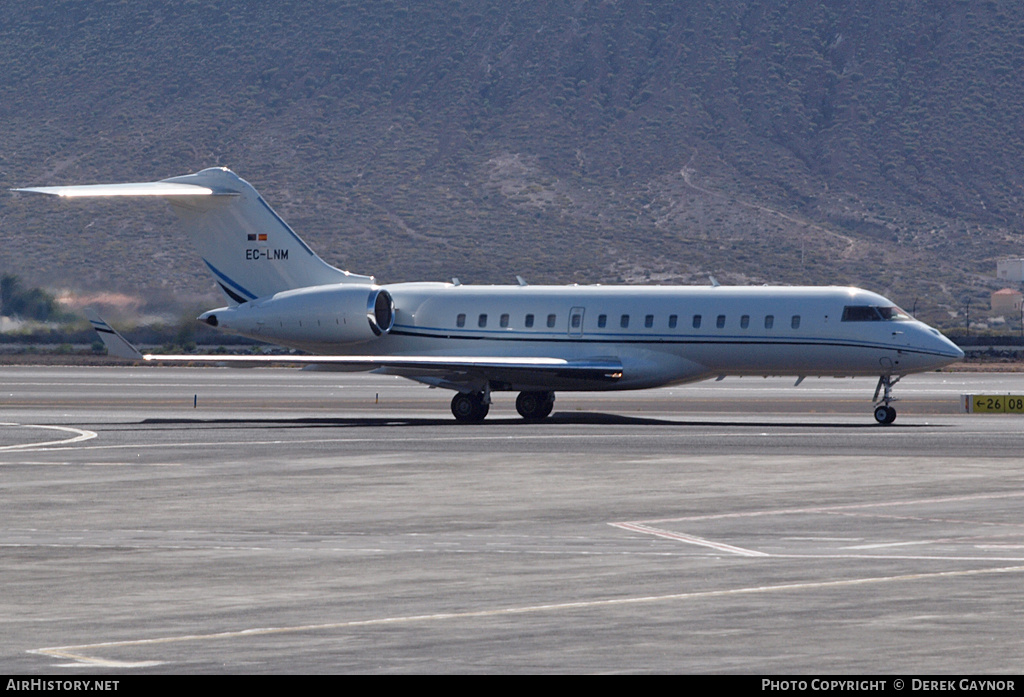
<point>248,248</point>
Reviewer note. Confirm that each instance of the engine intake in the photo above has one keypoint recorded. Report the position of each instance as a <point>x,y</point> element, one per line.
<point>380,311</point>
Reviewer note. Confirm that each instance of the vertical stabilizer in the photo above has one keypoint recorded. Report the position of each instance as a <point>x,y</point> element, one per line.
<point>248,248</point>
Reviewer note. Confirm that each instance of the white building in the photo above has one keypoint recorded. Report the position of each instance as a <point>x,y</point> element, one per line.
<point>1011,270</point>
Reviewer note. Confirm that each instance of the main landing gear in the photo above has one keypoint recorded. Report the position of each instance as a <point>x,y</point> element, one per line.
<point>472,407</point>
<point>884,413</point>
<point>535,406</point>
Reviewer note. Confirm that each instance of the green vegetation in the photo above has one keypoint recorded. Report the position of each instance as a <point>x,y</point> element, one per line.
<point>47,324</point>
<point>22,303</point>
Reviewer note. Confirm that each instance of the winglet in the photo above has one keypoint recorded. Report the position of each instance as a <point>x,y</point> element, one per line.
<point>116,344</point>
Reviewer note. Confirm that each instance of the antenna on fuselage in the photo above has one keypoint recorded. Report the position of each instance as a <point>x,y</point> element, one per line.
<point>714,282</point>
<point>521,280</point>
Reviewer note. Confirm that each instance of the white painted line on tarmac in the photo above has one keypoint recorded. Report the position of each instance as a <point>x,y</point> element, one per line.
<point>868,510</point>
<point>843,507</point>
<point>690,539</point>
<point>443,436</point>
<point>69,463</point>
<point>82,653</point>
<point>81,435</point>
<point>883,545</point>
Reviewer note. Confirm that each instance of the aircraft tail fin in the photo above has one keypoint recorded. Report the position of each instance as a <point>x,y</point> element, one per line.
<point>248,248</point>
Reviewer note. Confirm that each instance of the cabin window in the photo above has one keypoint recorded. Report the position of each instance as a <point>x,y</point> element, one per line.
<point>503,320</point>
<point>624,321</point>
<point>529,321</point>
<point>720,322</point>
<point>602,321</point>
<point>696,321</point>
<point>481,321</point>
<point>769,321</point>
<point>575,320</point>
<point>460,321</point>
<point>551,321</point>
<point>744,321</point>
<point>672,320</point>
<point>649,321</point>
<point>795,322</point>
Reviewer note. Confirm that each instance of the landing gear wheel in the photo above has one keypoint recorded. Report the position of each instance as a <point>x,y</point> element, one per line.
<point>469,407</point>
<point>535,405</point>
<point>885,415</point>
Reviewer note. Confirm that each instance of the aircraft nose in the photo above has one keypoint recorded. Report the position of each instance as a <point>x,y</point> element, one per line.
<point>943,347</point>
<point>949,347</point>
<point>959,351</point>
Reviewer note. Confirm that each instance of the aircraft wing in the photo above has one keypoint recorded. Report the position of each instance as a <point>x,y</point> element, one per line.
<point>592,368</point>
<point>439,369</point>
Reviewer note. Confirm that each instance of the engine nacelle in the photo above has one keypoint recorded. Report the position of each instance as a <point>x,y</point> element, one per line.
<point>335,314</point>
<point>380,311</point>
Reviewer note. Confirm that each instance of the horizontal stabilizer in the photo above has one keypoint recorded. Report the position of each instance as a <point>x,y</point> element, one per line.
<point>127,189</point>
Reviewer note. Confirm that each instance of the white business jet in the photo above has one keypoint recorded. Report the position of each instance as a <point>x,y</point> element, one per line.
<point>535,340</point>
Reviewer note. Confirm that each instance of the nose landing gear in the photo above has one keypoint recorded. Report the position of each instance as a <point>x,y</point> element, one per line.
<point>884,413</point>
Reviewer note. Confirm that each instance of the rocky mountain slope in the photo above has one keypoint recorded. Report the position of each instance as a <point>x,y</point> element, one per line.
<point>870,143</point>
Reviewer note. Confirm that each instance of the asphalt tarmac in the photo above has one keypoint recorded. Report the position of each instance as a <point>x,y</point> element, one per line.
<point>159,520</point>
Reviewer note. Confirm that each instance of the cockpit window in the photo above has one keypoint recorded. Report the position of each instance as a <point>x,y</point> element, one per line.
<point>873,313</point>
<point>893,312</point>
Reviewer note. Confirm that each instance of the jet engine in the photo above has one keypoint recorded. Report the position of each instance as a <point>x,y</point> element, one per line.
<point>333,314</point>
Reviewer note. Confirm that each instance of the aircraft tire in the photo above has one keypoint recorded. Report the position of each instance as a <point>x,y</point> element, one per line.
<point>535,405</point>
<point>885,415</point>
<point>469,407</point>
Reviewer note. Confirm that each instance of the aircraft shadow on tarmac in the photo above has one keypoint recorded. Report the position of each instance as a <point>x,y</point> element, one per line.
<point>556,419</point>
